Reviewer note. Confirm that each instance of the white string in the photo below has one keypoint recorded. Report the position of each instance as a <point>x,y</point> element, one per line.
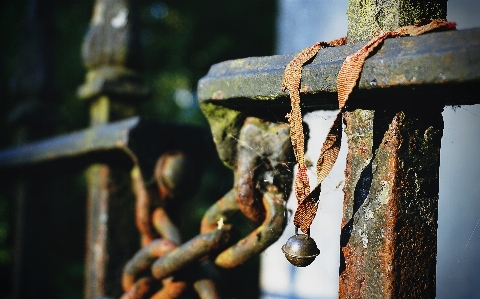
<point>470,238</point>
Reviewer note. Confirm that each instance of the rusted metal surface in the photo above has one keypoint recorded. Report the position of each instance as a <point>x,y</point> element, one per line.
<point>206,289</point>
<point>171,290</point>
<point>260,238</point>
<point>111,237</point>
<point>444,63</point>
<point>171,175</point>
<point>164,226</point>
<point>97,228</point>
<point>174,287</point>
<point>216,237</point>
<point>191,251</point>
<point>224,208</point>
<point>143,205</point>
<point>159,236</point>
<point>264,152</point>
<point>390,211</point>
<point>389,225</point>
<point>143,259</point>
<point>142,289</point>
<point>264,168</point>
<point>440,68</point>
<point>112,234</point>
<point>111,53</point>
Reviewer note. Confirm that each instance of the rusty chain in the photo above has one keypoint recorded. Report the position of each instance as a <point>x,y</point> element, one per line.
<point>163,268</point>
<point>158,236</point>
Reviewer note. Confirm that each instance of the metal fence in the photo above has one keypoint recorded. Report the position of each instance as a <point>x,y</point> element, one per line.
<point>138,170</point>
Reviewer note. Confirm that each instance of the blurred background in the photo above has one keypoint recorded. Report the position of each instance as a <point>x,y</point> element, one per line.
<point>180,40</point>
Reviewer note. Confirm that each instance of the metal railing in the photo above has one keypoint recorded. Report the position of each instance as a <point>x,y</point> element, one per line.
<point>393,123</point>
<point>394,127</point>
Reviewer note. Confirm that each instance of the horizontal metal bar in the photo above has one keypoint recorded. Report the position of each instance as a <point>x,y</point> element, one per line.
<point>122,143</point>
<point>101,138</point>
<point>449,58</point>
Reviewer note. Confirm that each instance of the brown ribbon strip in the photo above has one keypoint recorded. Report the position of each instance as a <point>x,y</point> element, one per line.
<point>346,81</point>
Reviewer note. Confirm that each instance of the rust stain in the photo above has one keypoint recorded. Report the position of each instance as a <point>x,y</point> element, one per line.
<point>261,148</point>
<point>219,211</point>
<point>262,237</point>
<point>398,261</point>
<point>391,144</point>
<point>353,279</point>
<point>305,88</point>
<point>144,260</point>
<point>142,206</point>
<point>398,79</point>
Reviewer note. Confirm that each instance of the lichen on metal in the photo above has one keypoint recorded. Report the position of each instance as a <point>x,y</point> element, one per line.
<point>111,53</point>
<point>113,80</point>
<point>368,17</point>
<point>225,125</point>
<point>110,137</point>
<point>448,60</point>
<point>390,213</point>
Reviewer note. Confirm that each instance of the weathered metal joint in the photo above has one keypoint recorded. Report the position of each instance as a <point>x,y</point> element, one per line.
<point>264,158</point>
<point>263,176</point>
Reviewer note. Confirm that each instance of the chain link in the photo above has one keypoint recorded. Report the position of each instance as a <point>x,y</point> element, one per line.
<point>262,180</point>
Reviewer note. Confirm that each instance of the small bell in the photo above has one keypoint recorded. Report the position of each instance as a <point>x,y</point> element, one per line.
<point>300,250</point>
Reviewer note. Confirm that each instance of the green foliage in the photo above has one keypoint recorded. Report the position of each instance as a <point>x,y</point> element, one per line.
<point>181,39</point>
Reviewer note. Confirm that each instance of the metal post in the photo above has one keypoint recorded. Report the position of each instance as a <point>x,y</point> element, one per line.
<point>389,226</point>
<point>111,53</point>
<point>367,17</point>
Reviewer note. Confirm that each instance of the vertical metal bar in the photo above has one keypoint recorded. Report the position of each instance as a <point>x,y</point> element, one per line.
<point>111,54</point>
<point>367,17</point>
<point>390,212</point>
<point>389,226</point>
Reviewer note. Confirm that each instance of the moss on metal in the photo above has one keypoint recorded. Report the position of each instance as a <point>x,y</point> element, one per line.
<point>225,124</point>
<point>366,17</point>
